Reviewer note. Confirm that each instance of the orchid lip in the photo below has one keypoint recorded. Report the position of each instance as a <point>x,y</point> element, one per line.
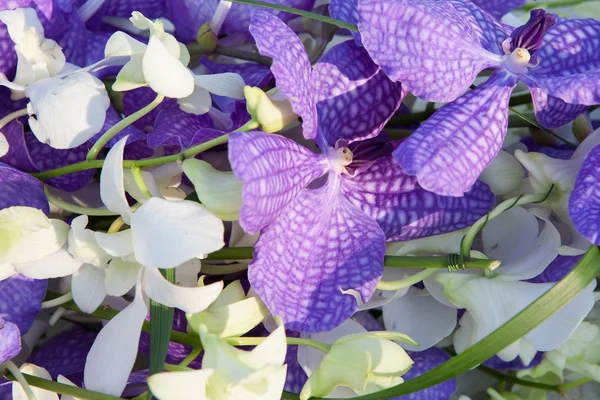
<point>339,158</point>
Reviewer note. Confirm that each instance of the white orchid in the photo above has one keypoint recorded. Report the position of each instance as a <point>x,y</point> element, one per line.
<point>228,373</point>
<point>162,234</point>
<point>492,300</point>
<point>33,245</point>
<point>162,65</point>
<point>357,363</point>
<point>67,105</point>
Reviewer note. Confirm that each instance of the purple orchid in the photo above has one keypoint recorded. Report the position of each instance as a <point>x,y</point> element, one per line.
<point>317,245</point>
<point>584,202</point>
<point>437,48</point>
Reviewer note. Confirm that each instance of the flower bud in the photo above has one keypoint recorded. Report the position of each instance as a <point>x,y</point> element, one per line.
<point>271,110</point>
<point>206,39</point>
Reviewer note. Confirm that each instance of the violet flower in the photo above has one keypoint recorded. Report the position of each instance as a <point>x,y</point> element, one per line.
<point>584,202</point>
<point>320,247</point>
<point>437,48</point>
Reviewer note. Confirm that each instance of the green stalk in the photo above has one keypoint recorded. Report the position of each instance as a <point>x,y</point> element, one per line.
<point>533,122</point>
<point>97,212</point>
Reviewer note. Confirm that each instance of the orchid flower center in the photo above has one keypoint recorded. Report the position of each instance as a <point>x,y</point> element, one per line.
<point>339,158</point>
<point>517,61</point>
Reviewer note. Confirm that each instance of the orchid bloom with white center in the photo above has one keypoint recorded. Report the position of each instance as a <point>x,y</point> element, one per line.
<point>228,373</point>
<point>67,105</point>
<point>491,301</point>
<point>163,234</point>
<point>357,363</point>
<point>33,245</point>
<point>232,313</point>
<point>162,65</point>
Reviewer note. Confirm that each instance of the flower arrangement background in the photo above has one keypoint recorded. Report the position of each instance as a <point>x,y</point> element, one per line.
<point>209,199</point>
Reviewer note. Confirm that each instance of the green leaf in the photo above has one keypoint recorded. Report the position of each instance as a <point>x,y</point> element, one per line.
<point>307,14</point>
<point>521,324</point>
<point>161,323</point>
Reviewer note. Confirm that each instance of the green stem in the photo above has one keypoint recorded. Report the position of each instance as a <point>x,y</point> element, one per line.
<point>535,124</point>
<point>307,14</point>
<point>467,241</point>
<point>161,324</point>
<point>554,4</point>
<point>571,385</point>
<point>223,269</point>
<point>148,162</point>
<point>20,377</point>
<point>242,55</point>
<point>65,298</point>
<point>119,126</point>
<point>512,379</point>
<point>404,283</point>
<point>254,341</point>
<point>138,178</point>
<point>191,357</point>
<point>245,253</point>
<point>61,388</point>
<point>97,212</point>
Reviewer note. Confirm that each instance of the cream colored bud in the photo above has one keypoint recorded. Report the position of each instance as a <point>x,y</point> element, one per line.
<point>271,110</point>
<point>504,174</point>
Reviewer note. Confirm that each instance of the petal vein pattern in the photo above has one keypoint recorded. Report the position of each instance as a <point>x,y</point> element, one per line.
<point>584,203</point>
<point>274,170</point>
<point>317,247</point>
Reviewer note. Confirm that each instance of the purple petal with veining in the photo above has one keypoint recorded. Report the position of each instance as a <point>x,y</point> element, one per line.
<point>570,62</point>
<point>435,47</point>
<point>137,383</point>
<point>176,127</point>
<point>514,365</point>
<point>65,353</point>
<point>317,247</point>
<point>46,158</point>
<point>404,210</point>
<point>552,112</point>
<point>274,170</point>
<point>135,100</point>
<point>449,151</point>
<point>291,66</point>
<point>10,340</point>
<point>354,98</point>
<point>189,15</point>
<point>19,189</point>
<point>498,8</point>
<point>368,321</point>
<point>557,270</point>
<point>20,300</point>
<point>295,376</point>
<point>425,361</point>
<point>252,73</point>
<point>123,8</point>
<point>346,10</point>
<point>584,202</point>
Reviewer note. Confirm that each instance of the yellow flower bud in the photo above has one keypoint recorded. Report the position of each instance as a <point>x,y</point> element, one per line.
<point>271,110</point>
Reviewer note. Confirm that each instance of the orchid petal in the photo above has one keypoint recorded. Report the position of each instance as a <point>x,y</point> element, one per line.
<point>88,288</point>
<point>291,65</point>
<point>121,44</point>
<point>116,345</point>
<point>311,254</point>
<point>83,245</point>
<point>55,265</point>
<point>164,72</point>
<point>226,84</point>
<point>498,8</point>
<point>184,385</point>
<point>120,277</point>
<point>22,297</point>
<point>404,210</point>
<point>436,48</point>
<point>118,244</point>
<point>112,187</point>
<point>552,112</point>
<point>65,112</point>
<point>10,340</point>
<point>168,233</point>
<point>449,151</point>
<point>584,203</point>
<point>191,300</point>
<point>40,394</point>
<point>198,103</point>
<point>503,175</point>
<point>19,189</point>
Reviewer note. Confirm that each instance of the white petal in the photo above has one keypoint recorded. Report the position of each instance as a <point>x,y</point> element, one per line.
<point>120,277</point>
<point>420,316</point>
<point>220,192</point>
<point>114,351</point>
<point>55,265</point>
<point>134,191</point>
<point>21,21</point>
<point>199,102</point>
<point>180,385</point>
<point>437,244</point>
<point>6,271</point>
<point>164,72</point>
<point>121,44</point>
<point>4,146</point>
<point>66,112</point>
<point>88,288</point>
<point>187,273</point>
<point>191,300</point>
<point>226,84</point>
<point>40,394</point>
<point>131,76</point>
<point>63,380</point>
<point>112,189</point>
<point>169,233</point>
<point>503,175</point>
<point>39,244</point>
<point>118,244</point>
<point>271,351</point>
<point>270,380</point>
<point>83,245</point>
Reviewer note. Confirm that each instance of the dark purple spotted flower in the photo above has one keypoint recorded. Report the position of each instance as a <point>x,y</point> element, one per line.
<point>321,245</point>
<point>584,202</point>
<point>437,48</point>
